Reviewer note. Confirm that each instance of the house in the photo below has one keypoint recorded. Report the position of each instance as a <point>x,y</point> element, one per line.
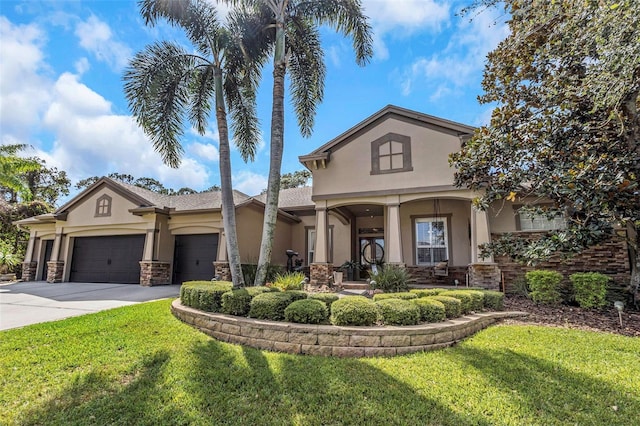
<point>382,192</point>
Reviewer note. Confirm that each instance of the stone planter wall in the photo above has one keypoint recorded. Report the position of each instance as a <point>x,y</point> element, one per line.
<point>331,340</point>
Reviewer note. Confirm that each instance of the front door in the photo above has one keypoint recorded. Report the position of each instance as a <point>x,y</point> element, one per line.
<point>371,253</point>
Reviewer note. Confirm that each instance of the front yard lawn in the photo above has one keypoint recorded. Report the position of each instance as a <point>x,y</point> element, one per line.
<point>139,365</point>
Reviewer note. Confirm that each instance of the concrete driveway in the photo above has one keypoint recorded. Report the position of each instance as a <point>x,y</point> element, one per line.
<point>28,303</point>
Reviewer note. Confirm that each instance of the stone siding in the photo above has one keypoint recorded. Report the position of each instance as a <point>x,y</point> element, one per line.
<point>423,275</point>
<point>485,275</point>
<point>55,269</point>
<point>610,258</point>
<point>29,271</point>
<point>222,271</point>
<point>320,274</point>
<point>154,273</point>
<point>328,340</point>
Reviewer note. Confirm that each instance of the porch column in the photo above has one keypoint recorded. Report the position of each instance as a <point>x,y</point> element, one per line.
<point>55,267</point>
<point>29,266</point>
<point>393,241</point>
<point>221,268</point>
<point>222,247</point>
<point>480,234</point>
<point>149,245</point>
<point>320,270</point>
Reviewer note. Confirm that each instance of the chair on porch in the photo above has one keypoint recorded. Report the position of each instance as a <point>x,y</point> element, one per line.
<point>441,269</point>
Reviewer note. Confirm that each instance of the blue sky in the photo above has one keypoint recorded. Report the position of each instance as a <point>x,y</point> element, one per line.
<point>61,66</point>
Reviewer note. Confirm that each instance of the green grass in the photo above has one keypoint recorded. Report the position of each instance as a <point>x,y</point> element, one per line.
<point>139,365</point>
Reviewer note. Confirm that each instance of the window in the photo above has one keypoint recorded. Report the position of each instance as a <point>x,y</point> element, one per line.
<point>311,245</point>
<point>432,240</point>
<point>539,222</point>
<point>390,154</point>
<point>103,206</point>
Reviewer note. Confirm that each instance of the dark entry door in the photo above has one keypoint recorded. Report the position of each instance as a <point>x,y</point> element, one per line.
<point>112,259</point>
<point>194,257</point>
<point>48,248</point>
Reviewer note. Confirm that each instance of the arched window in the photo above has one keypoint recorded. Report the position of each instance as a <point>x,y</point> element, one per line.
<point>103,206</point>
<point>391,154</point>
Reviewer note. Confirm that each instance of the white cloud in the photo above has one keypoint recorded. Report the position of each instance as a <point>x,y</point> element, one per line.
<point>249,182</point>
<point>96,37</point>
<point>463,59</point>
<point>82,66</point>
<point>23,88</point>
<point>206,152</point>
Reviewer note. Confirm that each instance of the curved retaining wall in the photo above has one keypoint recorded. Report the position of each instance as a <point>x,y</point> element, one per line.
<point>329,340</point>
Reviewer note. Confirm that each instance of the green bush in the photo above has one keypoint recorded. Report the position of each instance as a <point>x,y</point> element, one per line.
<point>440,290</point>
<point>452,306</point>
<point>307,311</point>
<point>297,295</point>
<point>590,289</point>
<point>545,286</point>
<point>204,295</point>
<point>289,281</point>
<point>391,278</point>
<point>425,292</point>
<point>270,306</point>
<point>430,310</point>
<point>477,298</point>
<point>463,297</point>
<point>399,312</point>
<point>354,310</point>
<point>404,295</point>
<point>327,298</point>
<point>237,302</point>
<point>493,300</point>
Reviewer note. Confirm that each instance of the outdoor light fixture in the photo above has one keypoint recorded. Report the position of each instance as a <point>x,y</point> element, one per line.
<point>619,307</point>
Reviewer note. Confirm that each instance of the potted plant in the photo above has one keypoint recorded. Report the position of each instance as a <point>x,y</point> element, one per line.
<point>350,266</point>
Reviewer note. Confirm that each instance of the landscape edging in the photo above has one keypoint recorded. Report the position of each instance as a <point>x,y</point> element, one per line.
<point>330,340</point>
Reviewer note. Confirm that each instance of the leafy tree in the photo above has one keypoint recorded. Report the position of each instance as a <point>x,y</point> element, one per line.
<point>10,235</point>
<point>12,172</point>
<point>47,184</point>
<point>166,83</point>
<point>295,180</point>
<point>143,182</point>
<point>292,28</point>
<point>567,124</point>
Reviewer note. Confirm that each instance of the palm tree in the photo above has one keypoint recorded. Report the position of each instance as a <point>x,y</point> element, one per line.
<point>294,27</point>
<point>13,172</point>
<point>165,84</point>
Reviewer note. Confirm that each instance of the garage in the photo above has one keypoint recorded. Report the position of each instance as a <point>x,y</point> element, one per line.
<point>113,259</point>
<point>194,256</point>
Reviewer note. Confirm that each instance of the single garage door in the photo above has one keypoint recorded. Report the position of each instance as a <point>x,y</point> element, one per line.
<point>112,259</point>
<point>194,257</point>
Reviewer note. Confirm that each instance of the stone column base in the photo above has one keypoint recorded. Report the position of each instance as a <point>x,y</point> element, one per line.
<point>485,275</point>
<point>222,271</point>
<point>320,274</point>
<point>153,272</point>
<point>55,269</point>
<point>29,271</point>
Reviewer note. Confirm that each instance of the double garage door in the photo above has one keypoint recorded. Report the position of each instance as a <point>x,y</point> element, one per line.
<point>113,259</point>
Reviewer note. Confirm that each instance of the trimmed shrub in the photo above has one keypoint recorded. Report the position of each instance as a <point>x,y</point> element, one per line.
<point>493,300</point>
<point>430,310</point>
<point>354,310</point>
<point>399,312</point>
<point>452,306</point>
<point>238,302</point>
<point>289,281</point>
<point>327,298</point>
<point>477,298</point>
<point>425,292</point>
<point>404,295</point>
<point>308,311</point>
<point>440,290</point>
<point>545,286</point>
<point>204,295</point>
<point>297,294</point>
<point>463,297</point>
<point>270,306</point>
<point>590,289</point>
<point>391,278</point>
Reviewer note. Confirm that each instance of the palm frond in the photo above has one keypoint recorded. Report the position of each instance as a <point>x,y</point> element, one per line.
<point>203,89</point>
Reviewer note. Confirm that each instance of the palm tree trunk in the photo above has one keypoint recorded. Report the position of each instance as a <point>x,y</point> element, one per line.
<point>275,163</point>
<point>228,206</point>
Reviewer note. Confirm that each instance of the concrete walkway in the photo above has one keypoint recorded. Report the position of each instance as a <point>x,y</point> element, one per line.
<point>26,303</point>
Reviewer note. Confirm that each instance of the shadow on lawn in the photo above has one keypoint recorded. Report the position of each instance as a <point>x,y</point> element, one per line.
<point>93,398</point>
<point>554,393</point>
<point>257,387</point>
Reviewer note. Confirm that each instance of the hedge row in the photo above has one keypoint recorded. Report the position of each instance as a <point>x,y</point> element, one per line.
<point>588,289</point>
<point>403,308</point>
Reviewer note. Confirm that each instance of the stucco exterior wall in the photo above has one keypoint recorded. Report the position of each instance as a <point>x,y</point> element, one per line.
<point>349,169</point>
<point>249,228</point>
<point>84,213</point>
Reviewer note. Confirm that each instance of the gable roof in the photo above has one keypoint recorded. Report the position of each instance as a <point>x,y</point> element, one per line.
<point>292,198</point>
<point>321,156</point>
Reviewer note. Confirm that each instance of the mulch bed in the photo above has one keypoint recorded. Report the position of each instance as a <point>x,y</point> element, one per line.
<point>575,317</point>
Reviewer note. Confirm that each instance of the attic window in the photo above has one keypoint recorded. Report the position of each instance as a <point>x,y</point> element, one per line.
<point>103,206</point>
<point>391,154</point>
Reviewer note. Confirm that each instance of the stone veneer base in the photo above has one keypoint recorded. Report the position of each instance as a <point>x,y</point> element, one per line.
<point>329,340</point>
